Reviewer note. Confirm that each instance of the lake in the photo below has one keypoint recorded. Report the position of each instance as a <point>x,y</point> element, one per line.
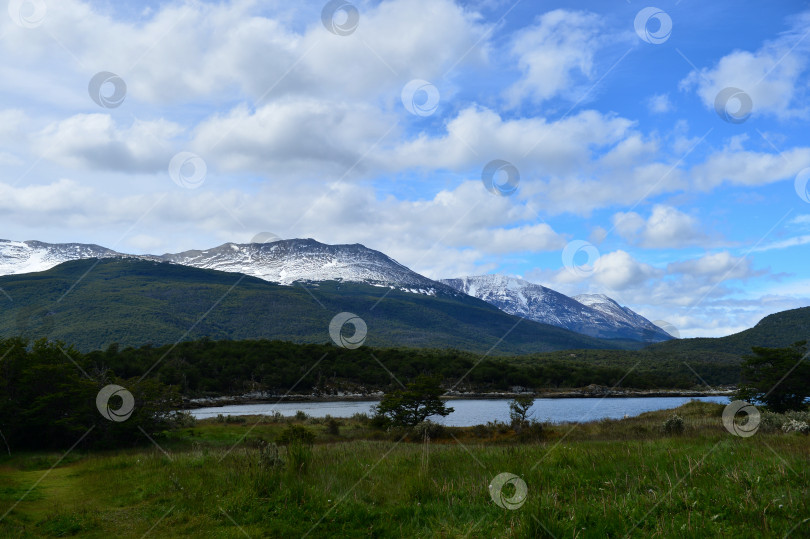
<point>477,411</point>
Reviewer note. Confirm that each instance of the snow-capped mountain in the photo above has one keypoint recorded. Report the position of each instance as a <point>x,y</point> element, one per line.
<point>32,256</point>
<point>611,308</point>
<point>283,261</point>
<point>287,261</point>
<point>595,315</point>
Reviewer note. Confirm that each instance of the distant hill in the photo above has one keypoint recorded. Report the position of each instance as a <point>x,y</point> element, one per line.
<point>93,303</point>
<point>774,331</point>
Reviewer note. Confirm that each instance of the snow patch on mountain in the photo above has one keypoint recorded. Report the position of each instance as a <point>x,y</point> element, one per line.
<point>288,261</point>
<point>596,315</point>
<point>33,256</point>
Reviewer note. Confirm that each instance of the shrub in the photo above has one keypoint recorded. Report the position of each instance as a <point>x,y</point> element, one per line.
<point>332,427</point>
<point>300,416</point>
<point>185,419</point>
<point>268,455</point>
<point>531,431</point>
<point>296,434</point>
<point>673,425</point>
<point>793,425</point>
<point>362,418</point>
<point>299,442</point>
<point>429,429</point>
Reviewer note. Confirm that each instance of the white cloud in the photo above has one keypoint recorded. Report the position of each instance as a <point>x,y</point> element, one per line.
<point>294,137</point>
<point>659,104</point>
<point>795,241</point>
<point>748,168</point>
<point>714,267</point>
<point>556,54</point>
<point>184,52</point>
<point>773,76</point>
<point>94,141</point>
<point>667,227</point>
<point>617,270</point>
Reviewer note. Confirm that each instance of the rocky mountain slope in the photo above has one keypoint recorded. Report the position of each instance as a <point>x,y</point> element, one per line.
<point>595,315</point>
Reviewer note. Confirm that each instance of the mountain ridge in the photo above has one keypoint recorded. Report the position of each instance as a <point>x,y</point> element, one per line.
<point>132,302</point>
<point>604,318</point>
<point>307,260</point>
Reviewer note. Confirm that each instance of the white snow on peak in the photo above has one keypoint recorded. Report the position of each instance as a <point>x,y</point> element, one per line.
<point>595,314</point>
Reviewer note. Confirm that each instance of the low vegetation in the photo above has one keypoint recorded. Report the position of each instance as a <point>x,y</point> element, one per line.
<point>228,478</point>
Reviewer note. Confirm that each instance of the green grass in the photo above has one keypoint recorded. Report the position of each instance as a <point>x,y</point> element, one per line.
<point>602,479</point>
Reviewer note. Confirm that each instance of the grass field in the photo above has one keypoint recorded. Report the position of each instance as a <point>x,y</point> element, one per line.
<point>605,479</point>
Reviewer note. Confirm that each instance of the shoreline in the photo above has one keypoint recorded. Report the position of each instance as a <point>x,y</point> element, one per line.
<point>588,393</point>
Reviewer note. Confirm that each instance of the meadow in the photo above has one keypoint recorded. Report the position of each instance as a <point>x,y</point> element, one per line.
<point>227,478</point>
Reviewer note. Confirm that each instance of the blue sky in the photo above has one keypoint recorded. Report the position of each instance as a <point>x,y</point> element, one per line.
<point>287,127</point>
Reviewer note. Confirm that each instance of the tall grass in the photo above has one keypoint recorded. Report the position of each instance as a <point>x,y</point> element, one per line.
<point>604,479</point>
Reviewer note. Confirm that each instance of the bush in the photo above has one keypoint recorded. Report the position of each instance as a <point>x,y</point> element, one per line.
<point>429,429</point>
<point>301,416</point>
<point>362,418</point>
<point>185,419</point>
<point>531,431</point>
<point>674,425</point>
<point>268,455</point>
<point>332,427</point>
<point>299,442</point>
<point>772,422</point>
<point>296,434</point>
<point>793,425</point>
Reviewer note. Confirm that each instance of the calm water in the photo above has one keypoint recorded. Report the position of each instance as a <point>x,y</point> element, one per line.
<point>476,412</point>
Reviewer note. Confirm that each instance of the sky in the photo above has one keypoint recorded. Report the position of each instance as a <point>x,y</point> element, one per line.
<point>657,154</point>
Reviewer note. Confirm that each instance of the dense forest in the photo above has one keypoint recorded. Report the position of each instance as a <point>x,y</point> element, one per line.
<point>206,367</point>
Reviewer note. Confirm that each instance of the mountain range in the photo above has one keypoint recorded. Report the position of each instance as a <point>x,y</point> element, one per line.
<point>596,315</point>
<point>134,302</point>
<point>286,262</point>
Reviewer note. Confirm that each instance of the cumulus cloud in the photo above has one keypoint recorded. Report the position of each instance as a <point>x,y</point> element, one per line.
<point>95,141</point>
<point>556,55</point>
<point>774,76</point>
<point>748,167</point>
<point>184,52</point>
<point>667,227</point>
